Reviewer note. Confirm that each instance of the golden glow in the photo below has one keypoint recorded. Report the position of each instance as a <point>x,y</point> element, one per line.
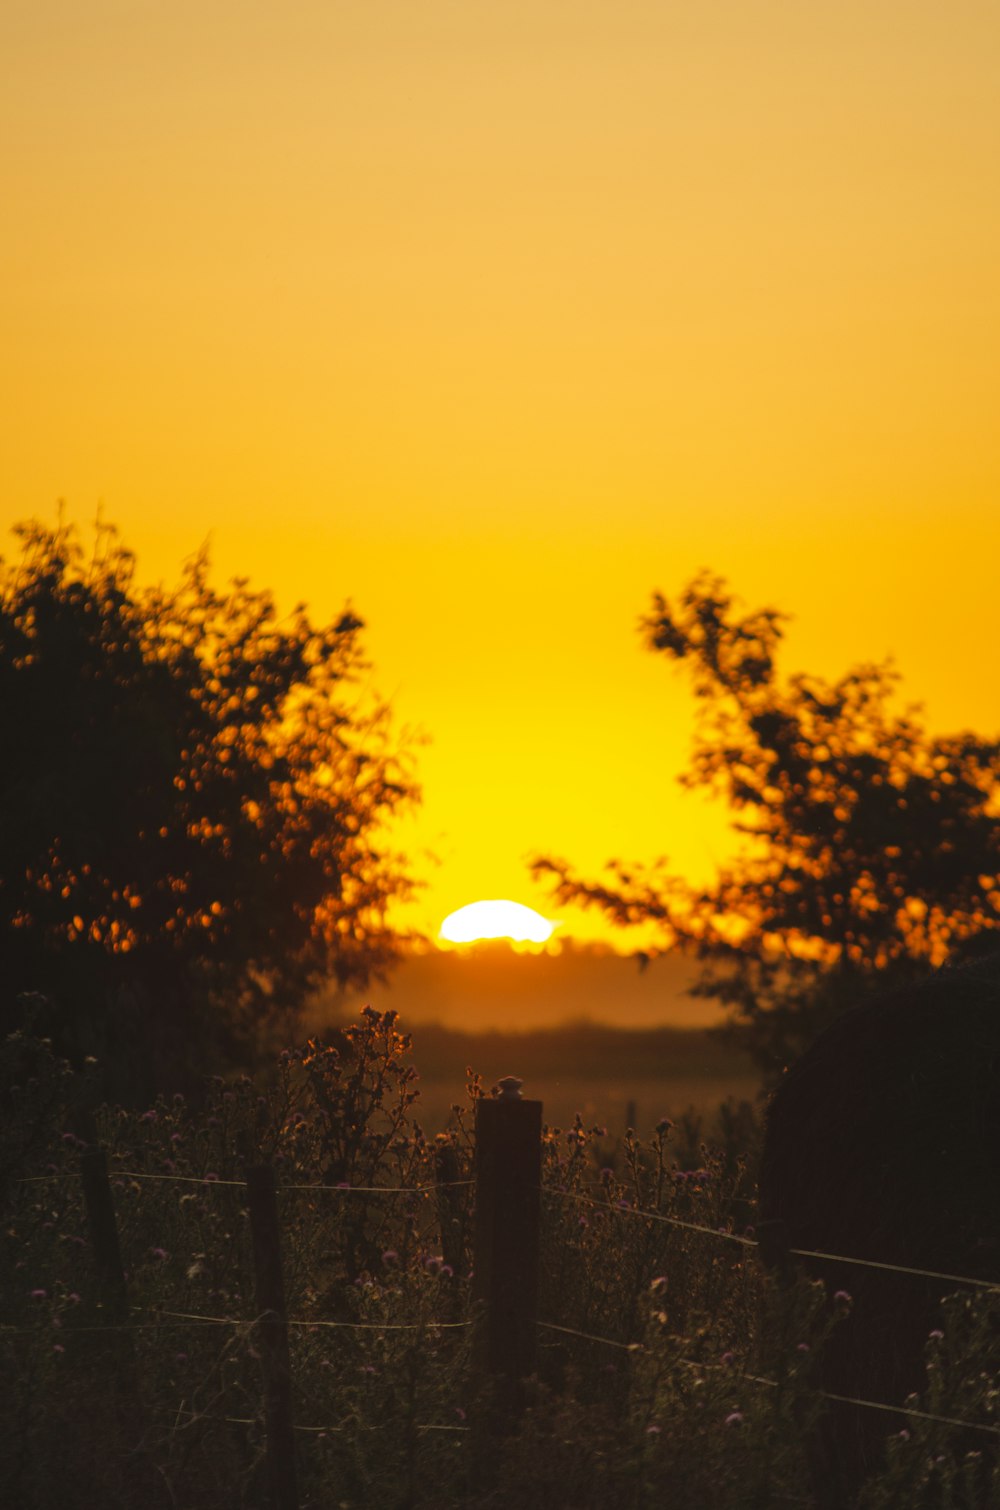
<point>496,920</point>
<point>494,317</point>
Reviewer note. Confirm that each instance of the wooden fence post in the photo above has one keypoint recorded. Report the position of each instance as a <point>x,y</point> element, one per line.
<point>508,1169</point>
<point>276,1365</point>
<point>103,1226</point>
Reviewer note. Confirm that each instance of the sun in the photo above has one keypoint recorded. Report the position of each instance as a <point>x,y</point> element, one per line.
<point>496,920</point>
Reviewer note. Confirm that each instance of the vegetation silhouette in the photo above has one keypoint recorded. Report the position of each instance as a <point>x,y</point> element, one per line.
<point>872,848</point>
<point>883,1143</point>
<point>192,800</point>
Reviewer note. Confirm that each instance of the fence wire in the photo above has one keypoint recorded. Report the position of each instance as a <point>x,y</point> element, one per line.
<point>621,1209</point>
<point>894,1410</point>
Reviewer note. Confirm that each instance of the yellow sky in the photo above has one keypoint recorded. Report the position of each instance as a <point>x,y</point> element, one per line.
<point>494,317</point>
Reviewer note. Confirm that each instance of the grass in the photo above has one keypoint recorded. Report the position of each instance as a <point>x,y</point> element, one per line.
<point>652,1391</point>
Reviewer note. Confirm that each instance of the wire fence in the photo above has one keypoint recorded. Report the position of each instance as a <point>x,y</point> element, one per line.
<point>270,1318</point>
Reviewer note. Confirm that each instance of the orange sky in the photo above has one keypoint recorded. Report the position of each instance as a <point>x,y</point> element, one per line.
<point>496,317</point>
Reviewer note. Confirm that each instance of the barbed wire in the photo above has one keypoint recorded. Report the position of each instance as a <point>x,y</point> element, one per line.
<point>750,1242</point>
<point>196,1318</point>
<point>873,1263</point>
<point>192,1417</point>
<point>571,1195</point>
<point>894,1410</point>
<point>650,1216</point>
<point>201,1179</point>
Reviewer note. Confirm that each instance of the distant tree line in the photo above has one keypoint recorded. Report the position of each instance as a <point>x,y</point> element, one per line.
<point>192,803</point>
<point>871,849</point>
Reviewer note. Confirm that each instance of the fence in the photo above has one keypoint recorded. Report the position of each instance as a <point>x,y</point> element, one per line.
<point>507,1251</point>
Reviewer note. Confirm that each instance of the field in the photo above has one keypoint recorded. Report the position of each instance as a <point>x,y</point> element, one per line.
<point>669,1366</point>
<point>613,1078</point>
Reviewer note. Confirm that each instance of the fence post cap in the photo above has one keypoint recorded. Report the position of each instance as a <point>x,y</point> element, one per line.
<point>510,1088</point>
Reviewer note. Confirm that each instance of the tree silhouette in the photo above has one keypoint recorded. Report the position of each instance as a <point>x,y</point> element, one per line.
<point>191,801</point>
<point>870,848</point>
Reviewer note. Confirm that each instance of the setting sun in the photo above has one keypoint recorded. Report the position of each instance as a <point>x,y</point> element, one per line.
<point>496,920</point>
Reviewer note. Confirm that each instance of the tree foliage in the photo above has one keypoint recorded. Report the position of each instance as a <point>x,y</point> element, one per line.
<point>192,797</point>
<point>870,848</point>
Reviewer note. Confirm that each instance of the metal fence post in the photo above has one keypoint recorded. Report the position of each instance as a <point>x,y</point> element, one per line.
<point>276,1365</point>
<point>508,1167</point>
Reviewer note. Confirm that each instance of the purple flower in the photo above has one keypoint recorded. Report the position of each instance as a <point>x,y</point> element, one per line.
<point>653,1431</point>
<point>727,1359</point>
<point>734,1418</point>
<point>39,1294</point>
<point>149,1116</point>
<point>160,1253</point>
<point>843,1297</point>
<point>937,1335</point>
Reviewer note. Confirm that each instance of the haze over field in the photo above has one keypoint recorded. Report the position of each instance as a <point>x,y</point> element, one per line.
<point>490,988</point>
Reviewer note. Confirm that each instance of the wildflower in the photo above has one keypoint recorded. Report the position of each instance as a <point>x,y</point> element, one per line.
<point>843,1297</point>
<point>734,1418</point>
<point>904,1435</point>
<point>728,1359</point>
<point>149,1116</point>
<point>802,1347</point>
<point>210,1177</point>
<point>460,1413</point>
<point>39,1294</point>
<point>73,1298</point>
<point>390,1256</point>
<point>180,1357</point>
<point>368,1368</point>
<point>57,1347</point>
<point>664,1125</point>
<point>937,1335</point>
<point>653,1431</point>
<point>160,1253</point>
